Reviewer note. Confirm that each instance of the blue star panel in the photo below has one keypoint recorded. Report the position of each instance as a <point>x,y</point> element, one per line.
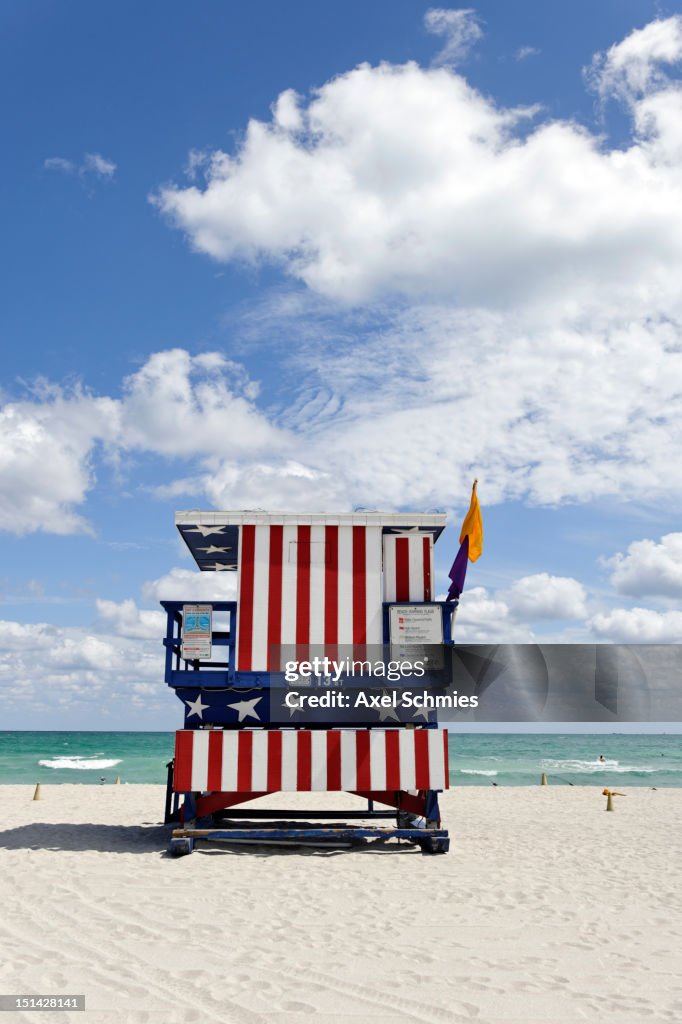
<point>214,548</point>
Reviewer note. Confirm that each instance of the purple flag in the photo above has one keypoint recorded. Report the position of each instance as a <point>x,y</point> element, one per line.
<point>459,570</point>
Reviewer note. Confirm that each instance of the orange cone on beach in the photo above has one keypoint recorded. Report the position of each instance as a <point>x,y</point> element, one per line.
<point>118,780</point>
<point>609,794</point>
<point>36,794</point>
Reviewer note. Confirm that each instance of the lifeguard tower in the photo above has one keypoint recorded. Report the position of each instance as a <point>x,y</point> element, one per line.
<point>357,585</point>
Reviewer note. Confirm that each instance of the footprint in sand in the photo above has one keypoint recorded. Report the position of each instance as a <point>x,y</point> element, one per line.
<point>292,1006</point>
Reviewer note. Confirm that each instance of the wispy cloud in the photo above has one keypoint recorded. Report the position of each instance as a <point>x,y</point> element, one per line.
<point>93,165</point>
<point>524,52</point>
<point>59,163</point>
<point>460,29</point>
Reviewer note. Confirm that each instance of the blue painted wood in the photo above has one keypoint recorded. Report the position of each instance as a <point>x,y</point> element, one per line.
<point>432,842</point>
<point>171,812</point>
<point>228,706</point>
<point>227,540</point>
<point>182,673</point>
<point>222,673</point>
<point>219,684</point>
<point>180,847</point>
<point>432,811</point>
<point>349,835</point>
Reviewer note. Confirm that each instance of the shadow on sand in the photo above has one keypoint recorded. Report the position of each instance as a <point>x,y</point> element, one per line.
<point>65,836</point>
<point>60,836</point>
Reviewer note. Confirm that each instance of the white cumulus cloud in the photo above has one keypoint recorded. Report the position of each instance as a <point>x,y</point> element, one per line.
<point>486,618</point>
<point>649,567</point>
<point>638,626</point>
<point>45,459</point>
<point>124,618</point>
<point>507,615</point>
<point>279,485</point>
<point>636,65</point>
<point>53,668</point>
<point>404,179</point>
<point>520,317</point>
<point>542,596</point>
<point>191,585</point>
<point>175,405</point>
<point>539,271</point>
<point>178,404</point>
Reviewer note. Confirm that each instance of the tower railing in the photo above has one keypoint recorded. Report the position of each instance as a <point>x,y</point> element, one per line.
<point>182,672</point>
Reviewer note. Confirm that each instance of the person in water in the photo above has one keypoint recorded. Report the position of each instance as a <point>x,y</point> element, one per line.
<point>602,759</point>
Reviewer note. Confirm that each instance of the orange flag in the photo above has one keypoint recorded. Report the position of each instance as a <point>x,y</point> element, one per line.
<point>472,527</point>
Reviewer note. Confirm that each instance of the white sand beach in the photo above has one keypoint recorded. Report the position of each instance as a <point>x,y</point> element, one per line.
<point>547,909</point>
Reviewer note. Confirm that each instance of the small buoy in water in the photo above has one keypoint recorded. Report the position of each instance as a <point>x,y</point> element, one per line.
<point>543,780</point>
<point>36,794</point>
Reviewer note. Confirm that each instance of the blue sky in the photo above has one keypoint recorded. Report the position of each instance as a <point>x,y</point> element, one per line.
<point>326,255</point>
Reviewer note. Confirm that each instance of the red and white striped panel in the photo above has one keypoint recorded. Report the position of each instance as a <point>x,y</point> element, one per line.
<point>262,760</point>
<point>307,585</point>
<point>408,567</point>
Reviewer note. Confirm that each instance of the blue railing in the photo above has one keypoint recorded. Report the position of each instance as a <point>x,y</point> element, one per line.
<point>183,672</point>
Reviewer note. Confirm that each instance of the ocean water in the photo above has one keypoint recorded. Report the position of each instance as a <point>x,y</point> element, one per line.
<point>475,760</point>
<point>84,756</point>
<point>572,759</point>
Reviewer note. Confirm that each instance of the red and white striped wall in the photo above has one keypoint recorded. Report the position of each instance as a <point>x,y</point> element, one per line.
<point>307,585</point>
<point>262,760</point>
<point>408,567</point>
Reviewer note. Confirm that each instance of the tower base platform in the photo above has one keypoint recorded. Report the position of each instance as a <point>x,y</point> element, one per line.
<point>430,840</point>
<point>402,770</point>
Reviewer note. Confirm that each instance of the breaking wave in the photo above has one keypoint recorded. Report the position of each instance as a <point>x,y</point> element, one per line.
<point>591,767</point>
<point>95,762</point>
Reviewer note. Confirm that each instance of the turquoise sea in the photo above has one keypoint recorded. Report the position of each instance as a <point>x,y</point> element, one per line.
<point>475,760</point>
